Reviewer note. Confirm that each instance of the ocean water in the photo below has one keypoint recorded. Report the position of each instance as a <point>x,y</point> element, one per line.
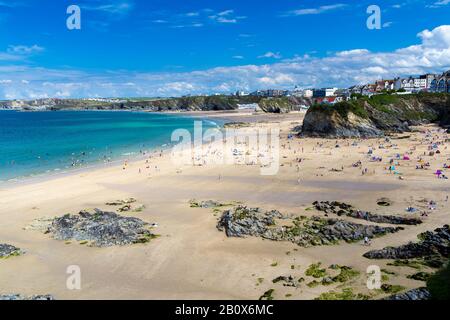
<point>37,143</point>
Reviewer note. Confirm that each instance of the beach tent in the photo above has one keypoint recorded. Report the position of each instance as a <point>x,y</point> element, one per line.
<point>405,157</point>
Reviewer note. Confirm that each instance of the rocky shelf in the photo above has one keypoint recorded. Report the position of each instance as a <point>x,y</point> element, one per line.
<point>435,243</point>
<point>100,229</point>
<point>7,250</point>
<point>414,294</point>
<point>303,231</point>
<point>343,209</point>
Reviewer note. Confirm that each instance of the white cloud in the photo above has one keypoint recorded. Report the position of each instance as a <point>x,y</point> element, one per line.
<point>318,10</point>
<point>24,50</point>
<point>113,7</point>
<point>438,4</point>
<point>270,54</point>
<point>226,16</point>
<point>344,68</point>
<point>354,52</point>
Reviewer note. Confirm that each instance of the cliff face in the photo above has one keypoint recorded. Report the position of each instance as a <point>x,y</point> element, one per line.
<point>195,103</point>
<point>372,117</point>
<point>284,104</point>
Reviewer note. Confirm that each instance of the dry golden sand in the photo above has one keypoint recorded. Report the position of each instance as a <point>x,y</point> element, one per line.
<point>191,259</point>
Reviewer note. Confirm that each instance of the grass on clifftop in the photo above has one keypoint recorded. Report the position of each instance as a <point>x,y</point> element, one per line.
<point>343,108</point>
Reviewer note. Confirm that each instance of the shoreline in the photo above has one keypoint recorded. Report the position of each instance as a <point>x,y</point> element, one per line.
<point>98,164</point>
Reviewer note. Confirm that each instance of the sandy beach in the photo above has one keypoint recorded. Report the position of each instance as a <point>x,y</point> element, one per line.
<point>191,259</point>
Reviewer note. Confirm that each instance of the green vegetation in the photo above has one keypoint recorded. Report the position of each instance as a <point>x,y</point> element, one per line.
<point>439,284</point>
<point>15,253</point>
<point>405,263</point>
<point>313,284</point>
<point>391,288</point>
<point>435,261</point>
<point>388,271</point>
<point>420,276</point>
<point>345,294</point>
<point>315,271</point>
<point>380,102</point>
<point>343,108</point>
<point>268,295</point>
<point>345,274</point>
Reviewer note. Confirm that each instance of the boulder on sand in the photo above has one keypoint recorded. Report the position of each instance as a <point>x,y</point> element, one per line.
<point>7,250</point>
<point>100,229</point>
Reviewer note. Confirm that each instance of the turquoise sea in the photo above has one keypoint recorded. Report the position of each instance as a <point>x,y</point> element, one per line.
<point>36,143</point>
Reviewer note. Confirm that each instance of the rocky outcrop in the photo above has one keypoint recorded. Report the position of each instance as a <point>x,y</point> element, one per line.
<point>376,116</point>
<point>100,229</point>
<point>11,297</point>
<point>303,231</point>
<point>323,121</point>
<point>414,294</point>
<point>242,221</point>
<point>284,104</point>
<point>430,244</point>
<point>343,209</point>
<point>7,250</point>
<point>191,103</point>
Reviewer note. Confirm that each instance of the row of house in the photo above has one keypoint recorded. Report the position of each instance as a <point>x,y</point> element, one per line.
<point>424,83</point>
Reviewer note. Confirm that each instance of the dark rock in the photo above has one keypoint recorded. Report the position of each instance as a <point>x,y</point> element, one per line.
<point>384,202</point>
<point>100,229</point>
<point>242,221</point>
<point>288,281</point>
<point>414,294</point>
<point>7,250</point>
<point>340,209</point>
<point>430,244</point>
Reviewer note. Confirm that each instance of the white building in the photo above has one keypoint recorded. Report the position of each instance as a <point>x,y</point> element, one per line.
<point>308,93</point>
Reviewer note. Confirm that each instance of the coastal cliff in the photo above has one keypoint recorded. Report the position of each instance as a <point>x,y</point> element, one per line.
<point>192,103</point>
<point>376,116</point>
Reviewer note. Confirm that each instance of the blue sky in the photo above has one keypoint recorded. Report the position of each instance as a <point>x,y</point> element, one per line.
<point>176,47</point>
